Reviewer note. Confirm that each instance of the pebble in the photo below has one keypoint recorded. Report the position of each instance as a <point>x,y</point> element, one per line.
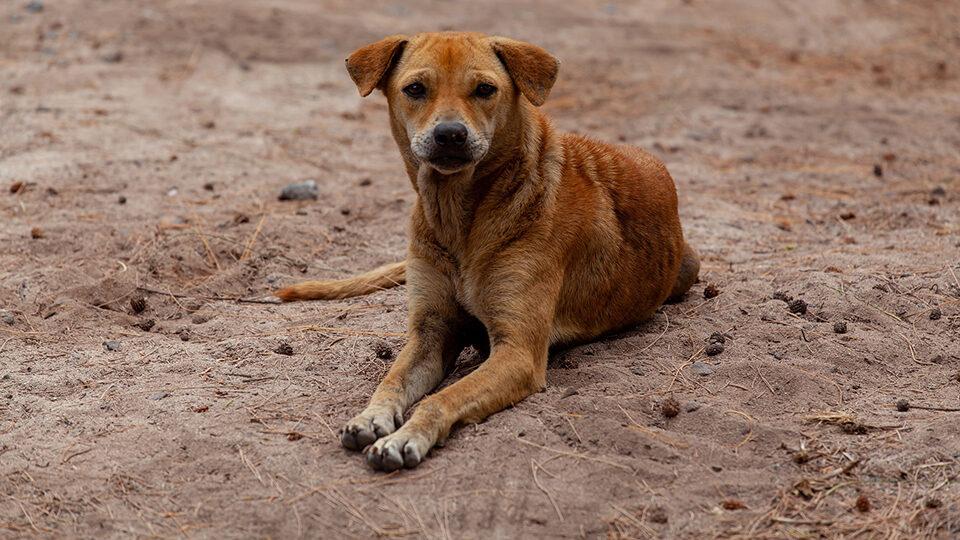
<point>146,325</point>
<point>138,304</point>
<point>840,327</point>
<point>714,349</point>
<point>701,369</point>
<point>113,58</point>
<point>692,406</point>
<point>285,349</point>
<point>111,345</point>
<point>717,337</point>
<point>301,191</point>
<point>7,317</point>
<point>35,6</point>
<point>935,314</point>
<point>903,405</point>
<point>158,396</point>
<point>569,392</point>
<point>710,291</point>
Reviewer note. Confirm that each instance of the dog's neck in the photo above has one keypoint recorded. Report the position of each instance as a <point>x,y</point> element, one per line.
<point>449,202</point>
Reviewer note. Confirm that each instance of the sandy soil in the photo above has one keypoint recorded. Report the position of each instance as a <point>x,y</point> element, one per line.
<point>816,149</point>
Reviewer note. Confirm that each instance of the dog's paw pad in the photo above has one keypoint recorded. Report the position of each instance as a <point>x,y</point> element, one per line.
<point>397,451</point>
<point>366,428</point>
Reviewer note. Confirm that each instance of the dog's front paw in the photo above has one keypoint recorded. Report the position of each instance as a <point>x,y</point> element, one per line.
<point>373,423</point>
<point>405,448</point>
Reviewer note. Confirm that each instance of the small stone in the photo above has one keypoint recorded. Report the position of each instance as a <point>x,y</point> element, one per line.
<point>937,359</point>
<point>716,337</point>
<point>710,291</point>
<point>714,349</point>
<point>939,191</point>
<point>37,233</point>
<point>302,191</point>
<point>158,396</point>
<point>716,468</point>
<point>208,186</point>
<point>670,407</point>
<point>35,6</point>
<point>111,345</point>
<point>294,436</point>
<point>636,370</point>
<point>933,502</point>
<point>847,216</point>
<point>184,334</point>
<point>569,392</point>
<point>285,349</point>
<point>863,504</point>
<point>878,170</point>
<point>172,192</point>
<point>138,304</point>
<point>209,124</point>
<point>903,405</point>
<point>122,200</point>
<point>840,327</point>
<point>113,57</point>
<point>935,314</point>
<point>798,306</point>
<point>17,187</point>
<point>701,369</point>
<point>692,406</point>
<point>7,317</point>
<point>383,350</point>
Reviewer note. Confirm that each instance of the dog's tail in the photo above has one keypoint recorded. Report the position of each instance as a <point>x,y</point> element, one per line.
<point>384,277</point>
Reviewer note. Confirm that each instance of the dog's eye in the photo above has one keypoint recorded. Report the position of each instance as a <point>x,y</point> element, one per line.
<point>415,90</point>
<point>485,90</point>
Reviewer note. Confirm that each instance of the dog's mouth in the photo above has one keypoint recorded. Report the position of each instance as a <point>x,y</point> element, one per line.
<point>450,162</point>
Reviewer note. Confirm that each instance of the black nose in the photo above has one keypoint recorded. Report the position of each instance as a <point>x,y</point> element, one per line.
<point>450,134</point>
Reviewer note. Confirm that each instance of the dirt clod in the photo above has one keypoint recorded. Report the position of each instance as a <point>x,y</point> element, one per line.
<point>657,514</point>
<point>7,317</point>
<point>733,504</point>
<point>701,369</point>
<point>138,304</point>
<point>111,345</point>
<point>285,349</point>
<point>862,504</point>
<point>782,296</point>
<point>17,187</point>
<point>935,314</point>
<point>711,291</point>
<point>903,405</point>
<point>716,337</point>
<point>933,502</point>
<point>878,170</point>
<point>294,436</point>
<point>847,216</point>
<point>797,306</point>
<point>713,349</point>
<point>383,350</point>
<point>121,200</point>
<point>146,324</point>
<point>37,233</point>
<point>840,327</point>
<point>670,407</point>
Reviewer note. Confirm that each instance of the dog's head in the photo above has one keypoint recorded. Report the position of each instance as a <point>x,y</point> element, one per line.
<point>451,93</point>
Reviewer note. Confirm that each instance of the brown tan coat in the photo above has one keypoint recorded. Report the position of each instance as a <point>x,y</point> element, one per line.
<point>521,237</point>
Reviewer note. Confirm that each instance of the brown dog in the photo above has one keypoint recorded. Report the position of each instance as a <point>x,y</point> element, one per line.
<point>521,237</point>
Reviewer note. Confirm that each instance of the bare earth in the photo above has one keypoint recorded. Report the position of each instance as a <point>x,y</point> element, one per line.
<point>816,150</point>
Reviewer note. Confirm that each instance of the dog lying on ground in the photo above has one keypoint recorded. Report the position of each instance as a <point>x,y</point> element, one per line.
<point>521,238</point>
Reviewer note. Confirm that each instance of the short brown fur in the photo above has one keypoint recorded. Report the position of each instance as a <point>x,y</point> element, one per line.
<point>546,238</point>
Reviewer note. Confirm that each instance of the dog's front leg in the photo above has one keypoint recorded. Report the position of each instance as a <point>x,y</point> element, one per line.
<point>435,338</point>
<point>515,369</point>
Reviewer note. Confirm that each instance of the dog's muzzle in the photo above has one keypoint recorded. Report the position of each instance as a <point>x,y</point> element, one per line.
<point>450,149</point>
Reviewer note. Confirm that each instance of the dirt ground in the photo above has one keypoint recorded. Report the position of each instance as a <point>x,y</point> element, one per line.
<point>816,150</point>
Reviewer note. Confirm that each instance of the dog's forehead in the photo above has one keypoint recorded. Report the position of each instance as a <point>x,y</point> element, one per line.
<point>451,52</point>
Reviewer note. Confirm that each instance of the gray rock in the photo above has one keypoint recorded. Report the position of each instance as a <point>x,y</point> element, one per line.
<point>7,317</point>
<point>158,396</point>
<point>111,345</point>
<point>35,6</point>
<point>701,369</point>
<point>692,406</point>
<point>301,191</point>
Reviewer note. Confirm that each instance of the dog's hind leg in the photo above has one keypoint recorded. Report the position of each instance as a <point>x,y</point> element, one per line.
<point>689,272</point>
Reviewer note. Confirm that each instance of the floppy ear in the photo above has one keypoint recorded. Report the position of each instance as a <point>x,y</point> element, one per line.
<point>368,66</point>
<point>532,69</point>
